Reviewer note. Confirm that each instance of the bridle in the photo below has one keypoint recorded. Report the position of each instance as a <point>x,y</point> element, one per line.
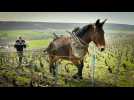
<point>82,42</point>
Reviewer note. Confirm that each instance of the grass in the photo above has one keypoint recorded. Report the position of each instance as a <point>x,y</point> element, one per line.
<point>39,39</point>
<point>38,43</point>
<point>27,34</point>
<point>34,38</point>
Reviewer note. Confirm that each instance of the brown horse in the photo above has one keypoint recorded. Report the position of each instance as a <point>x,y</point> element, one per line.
<point>61,47</point>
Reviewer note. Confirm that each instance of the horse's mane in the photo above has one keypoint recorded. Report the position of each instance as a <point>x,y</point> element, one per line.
<point>83,30</point>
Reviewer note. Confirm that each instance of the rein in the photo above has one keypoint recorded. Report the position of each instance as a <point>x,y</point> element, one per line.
<point>82,43</point>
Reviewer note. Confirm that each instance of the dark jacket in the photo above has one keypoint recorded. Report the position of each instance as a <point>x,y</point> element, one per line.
<point>19,45</point>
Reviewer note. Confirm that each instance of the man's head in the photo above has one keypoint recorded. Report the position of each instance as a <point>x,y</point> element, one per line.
<point>20,37</point>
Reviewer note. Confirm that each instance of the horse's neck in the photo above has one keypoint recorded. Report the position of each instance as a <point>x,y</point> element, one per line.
<point>86,39</point>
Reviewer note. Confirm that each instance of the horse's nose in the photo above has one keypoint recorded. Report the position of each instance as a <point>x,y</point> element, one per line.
<point>102,49</point>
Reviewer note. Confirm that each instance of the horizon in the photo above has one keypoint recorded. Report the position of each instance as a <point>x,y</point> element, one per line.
<point>69,17</point>
<point>65,22</point>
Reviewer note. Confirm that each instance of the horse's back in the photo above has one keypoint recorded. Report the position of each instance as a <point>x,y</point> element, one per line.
<point>62,41</point>
<point>60,46</point>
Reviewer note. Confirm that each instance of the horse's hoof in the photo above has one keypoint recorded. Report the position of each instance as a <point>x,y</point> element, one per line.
<point>77,77</point>
<point>51,71</point>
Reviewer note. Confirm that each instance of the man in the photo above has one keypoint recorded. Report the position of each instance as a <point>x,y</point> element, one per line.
<point>20,45</point>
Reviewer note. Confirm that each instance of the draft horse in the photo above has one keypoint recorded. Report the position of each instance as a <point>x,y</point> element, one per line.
<point>61,48</point>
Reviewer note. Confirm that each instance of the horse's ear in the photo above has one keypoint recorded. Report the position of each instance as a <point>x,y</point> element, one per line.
<point>97,22</point>
<point>103,22</point>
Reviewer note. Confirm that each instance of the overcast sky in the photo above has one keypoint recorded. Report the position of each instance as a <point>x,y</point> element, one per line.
<point>77,17</point>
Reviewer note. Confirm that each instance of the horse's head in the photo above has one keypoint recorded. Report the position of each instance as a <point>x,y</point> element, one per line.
<point>98,35</point>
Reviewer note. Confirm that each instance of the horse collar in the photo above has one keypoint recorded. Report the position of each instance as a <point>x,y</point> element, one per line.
<point>94,27</point>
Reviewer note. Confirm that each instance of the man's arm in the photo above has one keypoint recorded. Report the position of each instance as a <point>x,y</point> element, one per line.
<point>24,43</point>
<point>15,45</point>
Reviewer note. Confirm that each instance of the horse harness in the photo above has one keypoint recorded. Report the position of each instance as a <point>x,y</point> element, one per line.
<point>79,47</point>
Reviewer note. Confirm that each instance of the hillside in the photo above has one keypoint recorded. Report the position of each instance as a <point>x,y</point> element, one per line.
<point>6,25</point>
<point>43,30</point>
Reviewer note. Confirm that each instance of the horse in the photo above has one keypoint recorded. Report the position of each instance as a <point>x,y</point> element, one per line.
<point>61,48</point>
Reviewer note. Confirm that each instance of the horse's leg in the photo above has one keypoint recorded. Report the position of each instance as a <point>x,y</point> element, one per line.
<point>53,65</point>
<point>53,68</point>
<point>80,68</point>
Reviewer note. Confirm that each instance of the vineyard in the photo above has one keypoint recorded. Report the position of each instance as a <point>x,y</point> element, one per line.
<point>113,68</point>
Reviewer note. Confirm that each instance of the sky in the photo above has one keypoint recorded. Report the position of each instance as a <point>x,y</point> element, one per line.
<point>69,17</point>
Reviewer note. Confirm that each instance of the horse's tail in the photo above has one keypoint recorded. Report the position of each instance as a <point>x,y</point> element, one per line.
<point>46,50</point>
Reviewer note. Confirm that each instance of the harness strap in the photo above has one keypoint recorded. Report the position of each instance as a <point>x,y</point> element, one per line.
<point>83,43</point>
